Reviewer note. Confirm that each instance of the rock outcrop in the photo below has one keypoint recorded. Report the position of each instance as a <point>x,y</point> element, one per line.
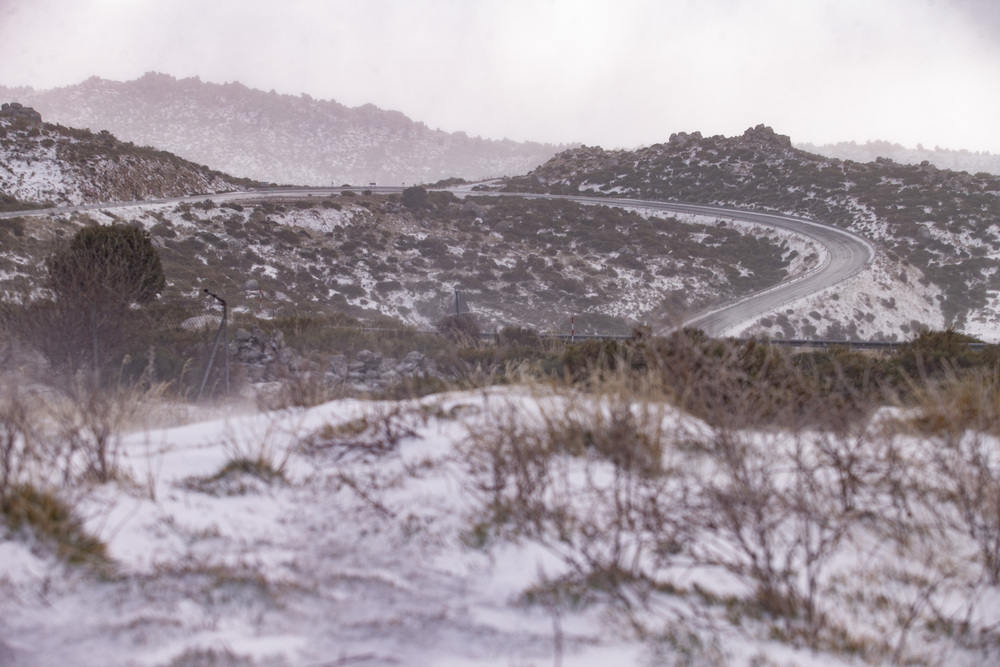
<point>17,110</point>
<point>266,358</point>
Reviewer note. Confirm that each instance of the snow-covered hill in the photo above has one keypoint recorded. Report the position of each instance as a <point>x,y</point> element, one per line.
<point>539,264</point>
<point>43,163</point>
<point>278,138</point>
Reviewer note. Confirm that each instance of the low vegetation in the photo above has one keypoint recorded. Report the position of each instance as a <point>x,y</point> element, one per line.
<point>516,262</point>
<point>53,449</point>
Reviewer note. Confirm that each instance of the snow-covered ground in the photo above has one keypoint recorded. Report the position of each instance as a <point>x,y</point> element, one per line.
<point>357,557</point>
<point>383,543</point>
<point>885,300</point>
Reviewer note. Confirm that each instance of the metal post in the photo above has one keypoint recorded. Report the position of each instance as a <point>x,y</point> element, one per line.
<point>225,340</point>
<point>572,328</point>
<point>93,332</point>
<point>223,328</point>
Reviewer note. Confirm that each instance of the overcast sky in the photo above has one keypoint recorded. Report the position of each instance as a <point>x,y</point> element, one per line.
<point>615,73</point>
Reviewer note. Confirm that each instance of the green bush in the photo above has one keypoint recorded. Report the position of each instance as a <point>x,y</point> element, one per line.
<point>415,198</point>
<point>933,353</point>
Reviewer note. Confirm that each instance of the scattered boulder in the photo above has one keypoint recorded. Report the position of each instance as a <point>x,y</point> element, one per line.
<point>370,371</point>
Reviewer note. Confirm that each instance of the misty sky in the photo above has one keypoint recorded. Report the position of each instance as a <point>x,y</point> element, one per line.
<point>615,73</point>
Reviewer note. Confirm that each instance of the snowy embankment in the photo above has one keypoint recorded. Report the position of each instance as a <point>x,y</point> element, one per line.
<point>889,300</point>
<point>468,529</point>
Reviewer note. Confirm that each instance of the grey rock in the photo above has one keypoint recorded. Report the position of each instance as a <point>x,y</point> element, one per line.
<point>414,358</point>
<point>368,358</point>
<point>337,365</point>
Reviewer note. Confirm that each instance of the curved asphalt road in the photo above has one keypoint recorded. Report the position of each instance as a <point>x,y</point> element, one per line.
<point>847,253</point>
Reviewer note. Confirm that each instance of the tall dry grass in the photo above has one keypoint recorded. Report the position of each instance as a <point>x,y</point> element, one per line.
<point>631,477</point>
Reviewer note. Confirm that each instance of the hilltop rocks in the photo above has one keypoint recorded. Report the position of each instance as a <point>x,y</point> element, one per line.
<point>759,137</point>
<point>17,110</point>
<point>266,358</point>
<point>763,136</point>
<point>681,139</point>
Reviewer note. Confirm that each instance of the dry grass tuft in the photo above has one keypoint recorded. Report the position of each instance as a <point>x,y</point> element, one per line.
<point>41,513</point>
<point>959,402</point>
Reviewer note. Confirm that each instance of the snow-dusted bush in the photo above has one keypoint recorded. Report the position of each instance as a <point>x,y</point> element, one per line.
<point>18,446</point>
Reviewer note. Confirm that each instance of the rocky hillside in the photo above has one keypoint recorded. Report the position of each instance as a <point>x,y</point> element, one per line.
<point>523,262</point>
<point>941,222</point>
<point>278,138</point>
<point>534,263</point>
<point>43,163</point>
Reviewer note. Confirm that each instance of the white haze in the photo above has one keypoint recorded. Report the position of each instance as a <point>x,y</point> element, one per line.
<point>617,74</point>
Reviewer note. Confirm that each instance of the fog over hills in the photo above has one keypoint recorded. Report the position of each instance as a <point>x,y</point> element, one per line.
<point>277,138</point>
<point>962,160</point>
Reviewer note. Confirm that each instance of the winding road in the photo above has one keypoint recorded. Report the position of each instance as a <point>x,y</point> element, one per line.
<point>847,254</point>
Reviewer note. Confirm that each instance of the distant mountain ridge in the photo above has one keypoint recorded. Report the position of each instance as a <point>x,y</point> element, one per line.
<point>278,138</point>
<point>942,158</point>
